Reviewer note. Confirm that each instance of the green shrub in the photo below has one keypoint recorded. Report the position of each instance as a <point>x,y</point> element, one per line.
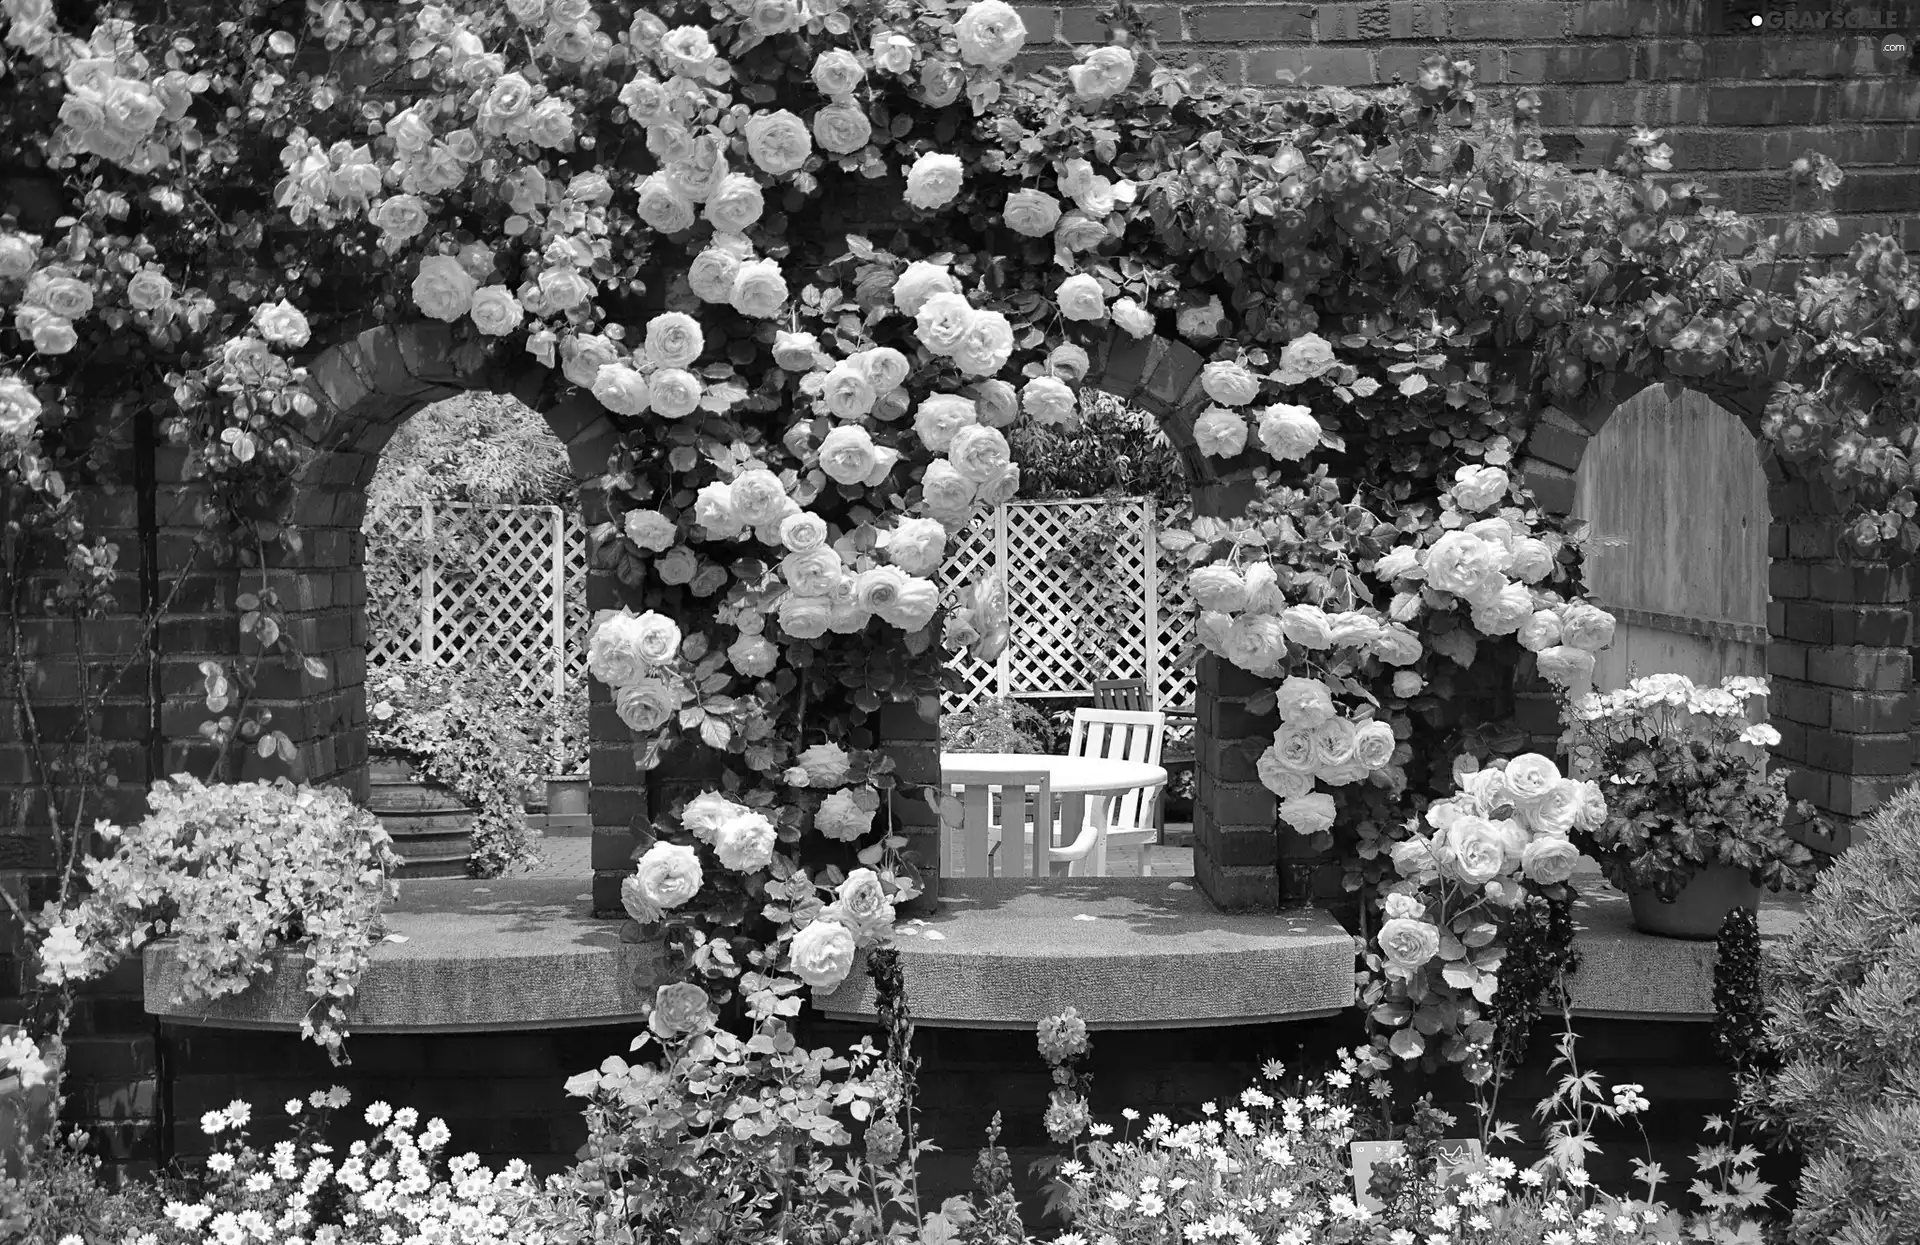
<point>1843,1016</point>
<point>995,725</point>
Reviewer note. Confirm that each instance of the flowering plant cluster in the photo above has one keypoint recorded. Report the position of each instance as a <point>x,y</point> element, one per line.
<point>1433,964</point>
<point>1063,1044</point>
<point>470,729</point>
<point>1682,770</point>
<point>233,873</point>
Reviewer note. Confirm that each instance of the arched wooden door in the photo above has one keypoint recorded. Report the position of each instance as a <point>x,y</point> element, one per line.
<point>1676,498</point>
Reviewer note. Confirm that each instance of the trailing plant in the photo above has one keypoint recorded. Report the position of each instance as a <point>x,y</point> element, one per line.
<point>1843,1000</point>
<point>473,729</point>
<point>1682,773</point>
<point>1114,450</point>
<point>1739,994</point>
<point>233,873</point>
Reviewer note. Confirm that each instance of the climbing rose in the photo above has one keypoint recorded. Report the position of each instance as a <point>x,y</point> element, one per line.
<point>495,311</point>
<point>1289,433</point>
<point>1219,588</point>
<point>663,206</point>
<point>1304,358</point>
<point>674,392</point>
<point>1477,488</point>
<point>778,142</point>
<point>920,282</point>
<point>442,289</point>
<point>744,843</point>
<point>674,339</point>
<point>1229,383</point>
<point>621,389</point>
<point>1081,298</point>
<point>759,289</point>
<point>712,273</point>
<point>19,409</point>
<point>1049,401</point>
<point>1408,944</point>
<point>822,954</point>
<point>1304,702</point>
<point>680,1009</point>
<point>848,455</point>
<point>1104,74</point>
<point>668,875</point>
<point>1033,213</point>
<point>646,706</point>
<point>837,72</point>
<point>841,819</point>
<point>934,181</point>
<point>1308,814</point>
<point>753,656</point>
<point>990,33</point>
<point>916,545</point>
<point>1586,626</point>
<point>987,343</point>
<point>735,204</point>
<point>941,415</point>
<point>942,321</point>
<point>650,530</point>
<point>892,52</point>
<point>841,128</point>
<point>978,453</point>
<point>147,290</point>
<point>1220,433</point>
<point>282,324</point>
<point>860,903</point>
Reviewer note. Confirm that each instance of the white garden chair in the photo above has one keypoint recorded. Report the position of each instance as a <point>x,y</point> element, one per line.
<point>975,816</point>
<point>1124,735</point>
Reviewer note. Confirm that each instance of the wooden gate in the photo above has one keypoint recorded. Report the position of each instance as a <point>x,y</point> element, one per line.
<point>1677,550</point>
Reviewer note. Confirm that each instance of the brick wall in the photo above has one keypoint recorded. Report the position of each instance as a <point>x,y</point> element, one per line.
<point>1736,106</point>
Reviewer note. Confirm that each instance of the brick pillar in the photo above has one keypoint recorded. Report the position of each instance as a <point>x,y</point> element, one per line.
<point>620,796</point>
<point>914,744</point>
<point>1839,661</point>
<point>1236,852</point>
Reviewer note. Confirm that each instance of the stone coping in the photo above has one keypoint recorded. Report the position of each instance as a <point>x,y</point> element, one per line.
<point>1125,953</point>
<point>501,954</point>
<point>1627,974</point>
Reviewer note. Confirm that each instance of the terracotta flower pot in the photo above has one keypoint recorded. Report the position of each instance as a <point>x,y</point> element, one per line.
<point>1702,904</point>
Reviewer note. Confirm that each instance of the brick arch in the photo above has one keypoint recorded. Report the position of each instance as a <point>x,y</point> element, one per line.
<point>1837,632</point>
<point>365,387</point>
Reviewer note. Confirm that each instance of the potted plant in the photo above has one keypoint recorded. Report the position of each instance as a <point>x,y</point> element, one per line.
<point>452,754</point>
<point>1694,824</point>
<point>566,747</point>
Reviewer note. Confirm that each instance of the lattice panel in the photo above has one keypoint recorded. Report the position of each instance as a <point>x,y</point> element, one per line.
<point>495,588</point>
<point>1071,628</point>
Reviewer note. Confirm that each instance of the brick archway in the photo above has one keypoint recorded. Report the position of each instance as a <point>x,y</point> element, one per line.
<point>366,388</point>
<point>1837,632</point>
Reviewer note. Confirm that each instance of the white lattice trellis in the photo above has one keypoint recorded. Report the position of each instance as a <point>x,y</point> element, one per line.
<point>495,585</point>
<point>1079,609</point>
<point>507,582</point>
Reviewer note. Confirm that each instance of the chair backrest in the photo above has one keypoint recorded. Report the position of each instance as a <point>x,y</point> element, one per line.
<point>1121,735</point>
<point>1128,694</point>
<point>967,822</point>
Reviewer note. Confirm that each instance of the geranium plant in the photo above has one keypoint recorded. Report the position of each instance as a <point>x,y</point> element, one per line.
<point>233,873</point>
<point>1433,963</point>
<point>1684,776</point>
<point>471,729</point>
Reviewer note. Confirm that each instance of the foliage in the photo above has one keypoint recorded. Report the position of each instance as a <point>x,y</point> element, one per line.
<point>1682,775</point>
<point>1842,1006</point>
<point>233,873</point>
<point>1540,955</point>
<point>471,729</point>
<point>995,724</point>
<point>481,448</point>
<point>1116,450</point>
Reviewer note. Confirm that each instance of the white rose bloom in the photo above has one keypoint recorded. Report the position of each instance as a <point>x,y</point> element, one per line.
<point>803,532</point>
<point>997,402</point>
<point>1104,74</point>
<point>19,409</point>
<point>1032,213</point>
<point>669,874</point>
<point>647,705</point>
<point>978,453</point>
<point>735,204</point>
<point>941,415</point>
<point>674,392</point>
<point>804,618</point>
<point>1229,383</point>
<point>662,205</point>
<point>848,455</point>
<point>759,497</point>
<point>495,311</point>
<point>1050,401</point>
<point>837,72</point>
<point>753,656</point>
<point>920,282</point>
<point>650,530</point>
<point>942,321</point>
<point>674,339</point>
<point>1479,488</point>
<point>1532,560</point>
<point>847,391</point>
<point>582,356</point>
<point>282,323</point>
<point>759,289</point>
<point>840,817</point>
<point>712,273</point>
<point>945,490</point>
<point>916,545</point>
<point>1373,745</point>
<point>713,509</point>
<point>778,142</point>
<point>1307,626</point>
<point>1081,298</point>
<point>148,290</point>
<point>442,289</point>
<point>1134,319</point>
<point>1304,358</point>
<point>841,129</point>
<point>893,52</point>
<point>1504,613</point>
<point>1289,433</point>
<point>1308,814</point>
<point>745,843</point>
<point>19,252</point>
<point>884,367</point>
<point>822,954</point>
<point>986,346</point>
<point>934,181</point>
<point>793,351</point>
<point>990,33</point>
<point>1220,433</point>
<point>813,573</point>
<point>1070,362</point>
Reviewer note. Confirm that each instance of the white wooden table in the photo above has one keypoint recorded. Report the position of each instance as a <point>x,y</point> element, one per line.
<point>1073,780</point>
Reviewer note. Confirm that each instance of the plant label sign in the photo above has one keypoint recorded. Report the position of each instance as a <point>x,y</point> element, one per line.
<point>1455,1160</point>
